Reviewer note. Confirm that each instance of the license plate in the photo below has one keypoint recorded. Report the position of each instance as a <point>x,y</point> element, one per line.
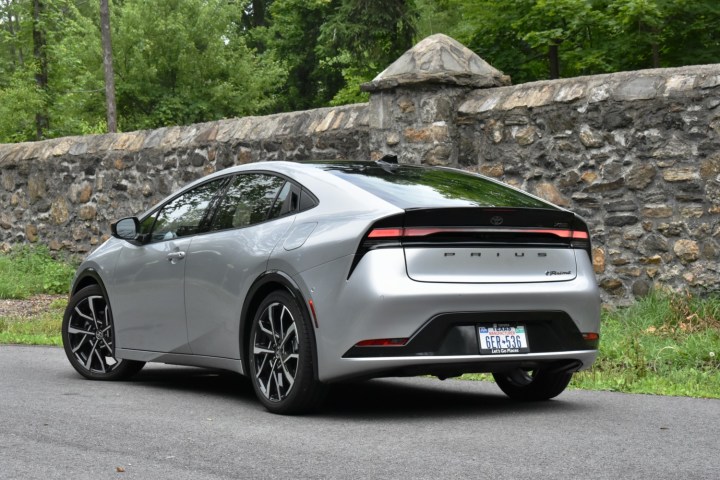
<point>502,338</point>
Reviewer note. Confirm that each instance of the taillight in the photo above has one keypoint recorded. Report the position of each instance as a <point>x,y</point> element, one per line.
<point>426,231</point>
<point>385,232</point>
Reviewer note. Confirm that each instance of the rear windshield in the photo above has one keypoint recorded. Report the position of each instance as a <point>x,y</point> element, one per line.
<point>407,186</point>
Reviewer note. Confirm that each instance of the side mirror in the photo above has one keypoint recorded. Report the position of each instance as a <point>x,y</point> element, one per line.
<point>126,228</point>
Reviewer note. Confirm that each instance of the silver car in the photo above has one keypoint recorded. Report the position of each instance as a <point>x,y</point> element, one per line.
<point>300,275</point>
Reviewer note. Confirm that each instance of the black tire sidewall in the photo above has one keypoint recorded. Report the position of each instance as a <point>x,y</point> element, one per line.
<point>545,384</point>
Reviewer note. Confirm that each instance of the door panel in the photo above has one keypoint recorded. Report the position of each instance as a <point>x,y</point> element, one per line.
<point>148,299</point>
<point>220,268</point>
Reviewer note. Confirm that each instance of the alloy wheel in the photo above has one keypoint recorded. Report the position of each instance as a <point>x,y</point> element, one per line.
<point>276,352</point>
<point>90,335</point>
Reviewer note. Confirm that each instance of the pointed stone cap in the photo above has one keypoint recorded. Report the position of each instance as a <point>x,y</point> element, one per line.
<point>438,59</point>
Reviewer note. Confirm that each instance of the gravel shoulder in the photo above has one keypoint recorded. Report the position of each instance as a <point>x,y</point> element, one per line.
<point>30,307</point>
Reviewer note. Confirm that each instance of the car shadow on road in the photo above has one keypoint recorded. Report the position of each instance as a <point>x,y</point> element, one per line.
<point>380,398</point>
<point>395,398</point>
<point>220,383</point>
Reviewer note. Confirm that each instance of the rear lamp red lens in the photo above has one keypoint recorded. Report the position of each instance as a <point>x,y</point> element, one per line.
<point>383,342</point>
<point>591,336</point>
<point>386,233</point>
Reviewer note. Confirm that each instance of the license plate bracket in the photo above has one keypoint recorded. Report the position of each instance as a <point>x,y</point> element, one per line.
<point>503,339</point>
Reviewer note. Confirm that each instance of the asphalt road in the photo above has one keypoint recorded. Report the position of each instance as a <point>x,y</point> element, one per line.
<point>186,423</point>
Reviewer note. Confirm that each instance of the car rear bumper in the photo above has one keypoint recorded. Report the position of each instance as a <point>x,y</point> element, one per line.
<point>453,365</point>
<point>380,301</point>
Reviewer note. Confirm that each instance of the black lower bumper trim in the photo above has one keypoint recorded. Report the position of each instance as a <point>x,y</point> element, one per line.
<point>457,334</point>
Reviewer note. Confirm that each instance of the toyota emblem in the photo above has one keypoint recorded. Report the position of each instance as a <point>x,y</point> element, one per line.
<point>496,220</point>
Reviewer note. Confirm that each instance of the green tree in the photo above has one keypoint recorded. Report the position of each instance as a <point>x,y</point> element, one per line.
<point>184,61</point>
<point>362,37</point>
<point>291,37</point>
<point>329,47</point>
<point>177,62</point>
<point>664,33</point>
<point>536,39</point>
<point>27,28</point>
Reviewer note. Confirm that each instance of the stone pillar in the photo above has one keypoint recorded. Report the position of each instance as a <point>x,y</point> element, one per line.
<point>414,102</point>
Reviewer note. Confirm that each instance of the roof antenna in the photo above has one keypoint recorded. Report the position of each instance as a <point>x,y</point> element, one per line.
<point>389,158</point>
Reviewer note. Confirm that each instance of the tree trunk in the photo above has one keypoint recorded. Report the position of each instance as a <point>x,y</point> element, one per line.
<point>656,55</point>
<point>8,20</point>
<point>16,31</point>
<point>42,122</point>
<point>258,7</point>
<point>655,48</point>
<point>108,66</point>
<point>554,59</point>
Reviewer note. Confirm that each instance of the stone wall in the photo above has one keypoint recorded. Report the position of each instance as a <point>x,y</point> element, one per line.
<point>65,192</point>
<point>637,154</point>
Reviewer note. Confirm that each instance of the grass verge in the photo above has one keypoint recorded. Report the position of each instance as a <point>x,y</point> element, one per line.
<point>665,344</point>
<point>42,329</point>
<point>27,271</point>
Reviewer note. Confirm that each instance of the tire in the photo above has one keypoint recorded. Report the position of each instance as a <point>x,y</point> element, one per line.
<point>280,357</point>
<point>536,385</point>
<point>89,340</point>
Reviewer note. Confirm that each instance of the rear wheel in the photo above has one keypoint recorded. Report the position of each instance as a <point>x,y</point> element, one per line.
<point>534,385</point>
<point>280,357</point>
<point>89,339</point>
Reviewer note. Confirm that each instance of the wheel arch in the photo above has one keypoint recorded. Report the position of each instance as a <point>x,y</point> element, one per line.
<point>88,277</point>
<point>265,284</point>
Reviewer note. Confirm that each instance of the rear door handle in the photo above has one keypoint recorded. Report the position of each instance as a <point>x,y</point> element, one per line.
<point>175,256</point>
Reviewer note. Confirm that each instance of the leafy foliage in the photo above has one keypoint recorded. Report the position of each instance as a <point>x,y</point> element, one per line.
<point>292,39</point>
<point>185,61</point>
<point>588,36</point>
<point>362,37</point>
<point>28,271</point>
<point>177,62</point>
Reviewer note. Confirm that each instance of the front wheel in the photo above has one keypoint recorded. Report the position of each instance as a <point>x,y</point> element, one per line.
<point>535,385</point>
<point>280,357</point>
<point>89,339</point>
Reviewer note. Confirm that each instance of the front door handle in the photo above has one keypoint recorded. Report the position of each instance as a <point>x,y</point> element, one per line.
<point>173,257</point>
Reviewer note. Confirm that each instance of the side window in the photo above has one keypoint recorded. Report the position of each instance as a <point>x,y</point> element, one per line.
<point>184,215</point>
<point>287,201</point>
<point>247,201</point>
<point>307,201</point>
